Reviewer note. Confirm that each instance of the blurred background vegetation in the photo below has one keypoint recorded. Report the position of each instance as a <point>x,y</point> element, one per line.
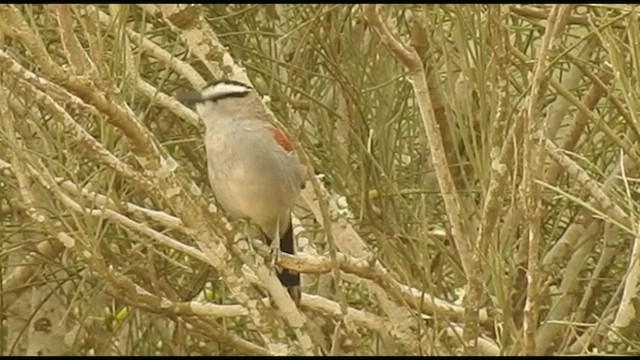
<point>89,274</point>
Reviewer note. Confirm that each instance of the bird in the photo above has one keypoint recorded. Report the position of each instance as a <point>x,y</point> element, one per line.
<point>252,167</point>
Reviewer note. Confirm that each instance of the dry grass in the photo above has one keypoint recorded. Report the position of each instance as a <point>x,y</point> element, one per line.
<point>478,190</point>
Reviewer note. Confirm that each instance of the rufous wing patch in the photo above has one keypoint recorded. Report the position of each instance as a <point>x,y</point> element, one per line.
<point>281,139</point>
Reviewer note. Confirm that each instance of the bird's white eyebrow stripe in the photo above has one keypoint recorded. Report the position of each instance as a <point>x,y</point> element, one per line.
<point>222,90</point>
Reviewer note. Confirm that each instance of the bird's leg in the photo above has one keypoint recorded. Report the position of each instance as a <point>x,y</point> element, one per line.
<point>246,232</point>
<point>275,245</point>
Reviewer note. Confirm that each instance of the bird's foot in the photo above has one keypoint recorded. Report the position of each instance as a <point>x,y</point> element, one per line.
<point>245,236</point>
<point>274,252</point>
<point>238,237</point>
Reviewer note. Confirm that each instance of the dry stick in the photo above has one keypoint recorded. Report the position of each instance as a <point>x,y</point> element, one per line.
<point>402,322</point>
<point>563,301</point>
<point>182,68</point>
<point>600,204</point>
<point>141,228</point>
<point>411,60</point>
<point>134,295</point>
<point>576,130</point>
<point>120,117</point>
<point>160,217</point>
<point>599,123</point>
<point>211,328</point>
<point>584,343</point>
<point>626,145</point>
<point>627,310</point>
<point>537,13</point>
<point>376,273</point>
<point>420,41</point>
<point>201,40</point>
<point>603,323</point>
<point>603,84</point>
<point>499,155</point>
<point>610,208</point>
<point>86,17</point>
<point>607,254</point>
<point>157,304</point>
<point>571,79</point>
<point>88,145</point>
<point>584,109</point>
<point>566,238</point>
<point>326,225</point>
<point>77,57</point>
<point>13,283</point>
<point>569,238</point>
<point>532,166</point>
<point>348,241</point>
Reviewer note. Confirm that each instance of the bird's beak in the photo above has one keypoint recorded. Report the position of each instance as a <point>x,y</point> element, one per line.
<point>190,97</point>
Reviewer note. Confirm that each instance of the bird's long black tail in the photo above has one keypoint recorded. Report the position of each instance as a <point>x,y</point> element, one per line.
<point>289,278</point>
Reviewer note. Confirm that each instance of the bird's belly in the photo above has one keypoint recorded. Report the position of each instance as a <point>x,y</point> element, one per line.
<point>247,191</point>
<point>248,177</point>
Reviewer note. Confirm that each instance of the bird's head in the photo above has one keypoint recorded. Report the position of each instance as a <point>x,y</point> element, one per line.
<point>223,99</point>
